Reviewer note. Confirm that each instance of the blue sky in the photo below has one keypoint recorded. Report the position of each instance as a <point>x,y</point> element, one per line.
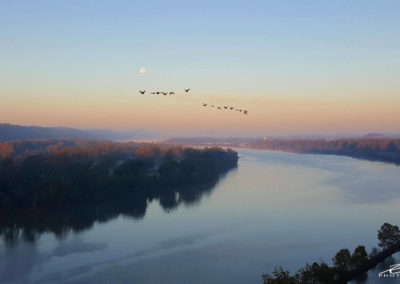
<point>264,48</point>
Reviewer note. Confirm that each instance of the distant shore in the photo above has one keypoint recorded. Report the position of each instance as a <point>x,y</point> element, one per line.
<point>372,149</point>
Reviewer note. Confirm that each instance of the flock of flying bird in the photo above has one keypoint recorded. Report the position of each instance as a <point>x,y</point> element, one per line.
<point>204,104</point>
<point>162,93</point>
<point>228,108</point>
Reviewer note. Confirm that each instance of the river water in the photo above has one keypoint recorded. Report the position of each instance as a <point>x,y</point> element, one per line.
<point>275,209</point>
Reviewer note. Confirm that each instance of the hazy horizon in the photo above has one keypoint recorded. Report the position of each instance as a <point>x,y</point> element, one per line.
<point>297,67</point>
<point>221,134</point>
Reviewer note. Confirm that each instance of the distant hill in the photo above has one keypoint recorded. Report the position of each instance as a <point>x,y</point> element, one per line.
<point>380,135</point>
<point>210,141</point>
<point>374,149</point>
<point>375,135</point>
<point>9,132</point>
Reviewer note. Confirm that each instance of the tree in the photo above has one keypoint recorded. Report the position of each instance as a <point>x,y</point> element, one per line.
<point>279,277</point>
<point>342,259</point>
<point>388,235</point>
<point>359,257</point>
<point>130,167</point>
<point>374,251</point>
<point>50,173</point>
<point>168,171</point>
<point>316,274</point>
<point>392,147</point>
<point>6,150</point>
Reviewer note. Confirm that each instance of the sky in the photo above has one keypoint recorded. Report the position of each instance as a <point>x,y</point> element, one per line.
<point>298,67</point>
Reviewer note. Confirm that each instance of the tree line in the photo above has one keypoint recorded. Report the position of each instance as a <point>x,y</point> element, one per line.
<point>346,265</point>
<point>48,173</point>
<point>379,149</point>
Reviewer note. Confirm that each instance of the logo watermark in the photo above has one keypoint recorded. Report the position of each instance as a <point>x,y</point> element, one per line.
<point>392,272</point>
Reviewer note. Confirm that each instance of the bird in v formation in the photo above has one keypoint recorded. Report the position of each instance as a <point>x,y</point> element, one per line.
<point>163,93</point>
<point>226,108</point>
<point>204,104</point>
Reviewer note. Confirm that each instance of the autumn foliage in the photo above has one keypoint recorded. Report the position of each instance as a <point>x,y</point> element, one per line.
<point>43,173</point>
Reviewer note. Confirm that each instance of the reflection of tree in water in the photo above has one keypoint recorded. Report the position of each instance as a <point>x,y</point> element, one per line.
<point>170,198</point>
<point>381,266</point>
<point>29,225</point>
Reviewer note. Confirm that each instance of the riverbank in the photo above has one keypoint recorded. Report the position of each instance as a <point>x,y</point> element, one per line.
<point>383,149</point>
<point>370,264</point>
<point>347,266</point>
<point>53,175</point>
<point>372,149</point>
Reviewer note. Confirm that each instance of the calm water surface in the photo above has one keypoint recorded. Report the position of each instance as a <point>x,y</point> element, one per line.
<point>274,209</point>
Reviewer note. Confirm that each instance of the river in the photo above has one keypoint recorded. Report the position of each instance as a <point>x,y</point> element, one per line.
<point>276,208</point>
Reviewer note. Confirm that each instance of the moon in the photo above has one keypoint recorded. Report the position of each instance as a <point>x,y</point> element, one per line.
<point>142,70</point>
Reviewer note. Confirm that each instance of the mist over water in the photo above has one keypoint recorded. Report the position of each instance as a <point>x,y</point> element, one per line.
<point>274,209</point>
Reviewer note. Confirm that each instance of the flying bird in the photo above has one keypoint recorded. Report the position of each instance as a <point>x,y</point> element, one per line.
<point>212,106</point>
<point>218,107</point>
<point>172,93</point>
<point>153,93</point>
<point>187,90</point>
<point>225,107</point>
<point>231,108</point>
<point>164,93</point>
<point>204,104</point>
<point>245,111</point>
<point>142,92</point>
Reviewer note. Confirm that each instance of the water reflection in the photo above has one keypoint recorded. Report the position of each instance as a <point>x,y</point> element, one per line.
<point>27,227</point>
<point>372,276</point>
<point>275,209</point>
<point>356,179</point>
<point>18,262</point>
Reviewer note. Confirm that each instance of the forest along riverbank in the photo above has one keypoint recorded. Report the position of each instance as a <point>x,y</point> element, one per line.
<point>373,149</point>
<point>53,173</point>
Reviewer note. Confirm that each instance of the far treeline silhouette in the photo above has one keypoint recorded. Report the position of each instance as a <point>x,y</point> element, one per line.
<point>374,149</point>
<point>346,266</point>
<point>377,149</point>
<point>47,173</point>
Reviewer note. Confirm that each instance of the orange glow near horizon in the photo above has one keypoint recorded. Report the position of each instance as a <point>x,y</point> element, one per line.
<point>184,113</point>
<point>330,68</point>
